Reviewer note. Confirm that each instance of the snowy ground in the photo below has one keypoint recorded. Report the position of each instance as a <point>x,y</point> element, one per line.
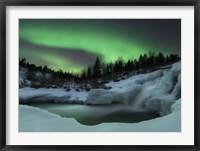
<point>157,92</point>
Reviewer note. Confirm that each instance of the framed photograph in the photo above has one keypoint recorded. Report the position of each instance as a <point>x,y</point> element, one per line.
<point>105,75</point>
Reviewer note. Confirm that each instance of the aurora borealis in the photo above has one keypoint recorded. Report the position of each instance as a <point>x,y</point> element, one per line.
<point>73,44</point>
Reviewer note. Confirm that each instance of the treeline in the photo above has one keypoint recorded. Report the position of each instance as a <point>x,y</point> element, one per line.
<point>144,63</point>
<point>32,68</point>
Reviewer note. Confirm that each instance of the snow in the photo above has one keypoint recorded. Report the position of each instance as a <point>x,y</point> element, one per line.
<point>27,95</point>
<point>33,119</point>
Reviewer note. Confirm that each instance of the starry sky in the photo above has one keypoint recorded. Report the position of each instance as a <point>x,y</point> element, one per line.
<point>73,44</point>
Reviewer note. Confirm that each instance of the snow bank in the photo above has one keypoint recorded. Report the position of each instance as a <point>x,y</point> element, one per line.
<point>33,119</point>
<point>27,95</point>
<point>167,91</point>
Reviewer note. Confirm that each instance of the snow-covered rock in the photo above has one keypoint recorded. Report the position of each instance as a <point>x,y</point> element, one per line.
<point>101,96</point>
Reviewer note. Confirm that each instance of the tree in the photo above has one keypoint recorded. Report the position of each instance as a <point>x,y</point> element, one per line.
<point>83,76</point>
<point>173,58</point>
<point>22,62</point>
<point>45,68</point>
<point>89,74</point>
<point>108,70</point>
<point>151,59</point>
<point>136,64</point>
<point>144,61</point>
<point>97,68</point>
<point>160,59</point>
<point>129,65</point>
<point>140,60</point>
<point>119,65</point>
<point>104,70</point>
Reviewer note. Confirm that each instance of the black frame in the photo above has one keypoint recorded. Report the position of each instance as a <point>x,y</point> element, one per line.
<point>4,3</point>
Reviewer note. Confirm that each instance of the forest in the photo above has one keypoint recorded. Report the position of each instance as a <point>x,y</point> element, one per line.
<point>145,63</point>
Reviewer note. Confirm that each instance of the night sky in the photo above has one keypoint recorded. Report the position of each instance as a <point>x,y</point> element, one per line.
<point>73,44</point>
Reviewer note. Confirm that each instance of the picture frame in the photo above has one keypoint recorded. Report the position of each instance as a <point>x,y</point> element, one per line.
<point>3,70</point>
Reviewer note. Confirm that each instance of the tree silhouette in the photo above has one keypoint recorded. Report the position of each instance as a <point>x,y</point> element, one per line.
<point>119,65</point>
<point>22,62</point>
<point>89,74</point>
<point>97,69</point>
<point>160,59</point>
<point>83,76</point>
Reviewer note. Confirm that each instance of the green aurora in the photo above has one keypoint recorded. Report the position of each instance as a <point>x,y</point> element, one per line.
<point>73,44</point>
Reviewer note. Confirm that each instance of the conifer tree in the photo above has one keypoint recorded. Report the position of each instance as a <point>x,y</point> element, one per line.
<point>97,68</point>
